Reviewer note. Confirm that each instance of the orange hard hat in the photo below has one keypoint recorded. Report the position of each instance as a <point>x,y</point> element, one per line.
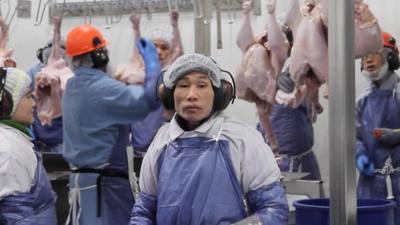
<point>389,41</point>
<point>83,39</point>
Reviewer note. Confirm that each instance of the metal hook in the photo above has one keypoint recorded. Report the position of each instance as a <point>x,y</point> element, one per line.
<point>63,10</point>
<point>109,22</point>
<point>88,7</point>
<point>84,12</point>
<point>140,8</point>
<point>176,5</point>
<point>13,14</point>
<point>198,9</point>
<point>148,13</point>
<point>169,5</point>
<point>1,14</point>
<point>122,4</point>
<point>9,10</point>
<point>37,23</point>
<point>231,13</point>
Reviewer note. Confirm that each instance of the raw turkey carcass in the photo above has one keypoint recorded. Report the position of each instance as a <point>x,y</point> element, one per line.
<point>262,61</point>
<point>51,81</point>
<point>5,54</point>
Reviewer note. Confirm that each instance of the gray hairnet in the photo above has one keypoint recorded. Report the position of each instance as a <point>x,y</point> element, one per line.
<point>188,63</point>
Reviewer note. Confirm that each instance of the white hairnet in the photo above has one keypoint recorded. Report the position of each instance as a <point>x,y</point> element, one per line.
<point>194,62</point>
<point>160,34</point>
<point>18,84</point>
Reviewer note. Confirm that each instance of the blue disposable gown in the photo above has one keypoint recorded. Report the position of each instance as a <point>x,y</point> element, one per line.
<point>379,108</point>
<point>97,111</point>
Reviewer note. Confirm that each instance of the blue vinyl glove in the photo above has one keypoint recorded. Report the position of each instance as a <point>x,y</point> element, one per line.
<point>364,165</point>
<point>285,83</point>
<point>148,52</point>
<point>152,70</point>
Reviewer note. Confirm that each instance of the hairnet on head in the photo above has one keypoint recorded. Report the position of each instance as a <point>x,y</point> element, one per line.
<point>194,62</point>
<point>18,84</point>
<point>160,34</point>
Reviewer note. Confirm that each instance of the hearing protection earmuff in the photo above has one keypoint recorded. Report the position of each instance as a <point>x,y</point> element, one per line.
<point>222,95</point>
<point>6,101</point>
<point>39,52</point>
<point>393,61</point>
<point>99,55</point>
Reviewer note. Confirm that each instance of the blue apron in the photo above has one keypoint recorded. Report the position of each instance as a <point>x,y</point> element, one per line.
<point>380,109</point>
<point>295,136</point>
<point>48,138</point>
<point>144,130</point>
<point>197,184</point>
<point>34,207</point>
<point>106,198</point>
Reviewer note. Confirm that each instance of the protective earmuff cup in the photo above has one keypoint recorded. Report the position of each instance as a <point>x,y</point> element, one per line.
<point>6,105</point>
<point>39,54</point>
<point>99,57</point>
<point>393,61</point>
<point>223,96</point>
<point>166,96</point>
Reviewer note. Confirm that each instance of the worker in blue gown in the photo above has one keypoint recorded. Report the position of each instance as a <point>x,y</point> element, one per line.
<point>97,112</point>
<point>378,124</point>
<point>294,132</point>
<point>205,167</point>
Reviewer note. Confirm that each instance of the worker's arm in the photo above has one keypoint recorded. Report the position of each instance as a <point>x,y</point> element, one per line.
<point>268,204</point>
<point>260,179</point>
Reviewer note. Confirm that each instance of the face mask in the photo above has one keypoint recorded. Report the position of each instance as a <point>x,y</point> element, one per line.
<point>377,74</point>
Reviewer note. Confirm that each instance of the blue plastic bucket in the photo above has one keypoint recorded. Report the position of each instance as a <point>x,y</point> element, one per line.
<point>369,212</point>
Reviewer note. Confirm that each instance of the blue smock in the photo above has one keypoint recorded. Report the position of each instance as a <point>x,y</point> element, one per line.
<point>34,207</point>
<point>202,177</point>
<point>97,111</point>
<point>143,131</point>
<point>295,137</point>
<point>379,108</point>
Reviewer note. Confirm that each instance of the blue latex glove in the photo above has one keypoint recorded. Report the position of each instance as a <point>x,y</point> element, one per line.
<point>148,52</point>
<point>285,83</point>
<point>364,165</point>
<point>152,70</point>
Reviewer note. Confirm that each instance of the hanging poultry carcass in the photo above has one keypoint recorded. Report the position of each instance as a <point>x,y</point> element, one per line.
<point>133,71</point>
<point>51,81</point>
<point>309,56</point>
<point>367,33</point>
<point>5,54</point>
<point>262,61</point>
